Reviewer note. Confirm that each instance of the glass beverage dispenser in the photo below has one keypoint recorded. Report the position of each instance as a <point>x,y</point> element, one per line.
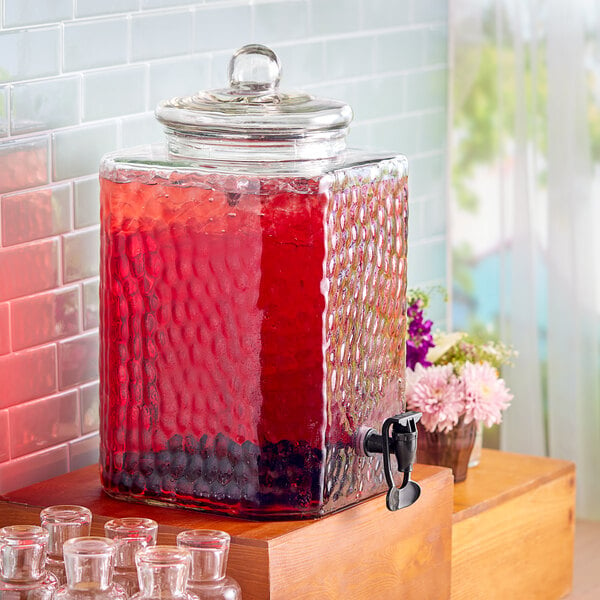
<point>253,279</point>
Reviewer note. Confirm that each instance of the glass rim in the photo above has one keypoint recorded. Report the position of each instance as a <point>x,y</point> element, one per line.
<point>89,546</point>
<point>66,513</point>
<point>203,539</point>
<point>124,527</point>
<point>18,535</point>
<point>162,555</point>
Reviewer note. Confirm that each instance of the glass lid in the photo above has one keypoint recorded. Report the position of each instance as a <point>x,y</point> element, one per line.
<point>253,106</point>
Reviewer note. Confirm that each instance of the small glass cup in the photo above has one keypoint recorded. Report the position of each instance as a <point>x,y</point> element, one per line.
<point>209,549</point>
<point>163,573</point>
<point>23,575</point>
<point>89,565</point>
<point>63,522</point>
<point>130,535</point>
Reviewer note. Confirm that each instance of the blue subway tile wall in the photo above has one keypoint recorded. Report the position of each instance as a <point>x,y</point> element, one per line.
<point>79,78</point>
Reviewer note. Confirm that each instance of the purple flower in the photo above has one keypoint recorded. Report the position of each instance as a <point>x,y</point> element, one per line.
<point>419,336</point>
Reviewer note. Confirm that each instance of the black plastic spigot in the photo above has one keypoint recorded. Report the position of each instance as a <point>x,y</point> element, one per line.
<point>398,436</point>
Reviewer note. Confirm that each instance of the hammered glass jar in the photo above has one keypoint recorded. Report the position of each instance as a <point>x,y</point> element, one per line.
<point>23,575</point>
<point>252,293</point>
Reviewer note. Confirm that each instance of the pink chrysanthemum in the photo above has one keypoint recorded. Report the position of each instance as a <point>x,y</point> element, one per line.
<point>435,392</point>
<point>485,395</point>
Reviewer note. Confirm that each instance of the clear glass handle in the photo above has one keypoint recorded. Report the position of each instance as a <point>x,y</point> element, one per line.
<point>254,68</point>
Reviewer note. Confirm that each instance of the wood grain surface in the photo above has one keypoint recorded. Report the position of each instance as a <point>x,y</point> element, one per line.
<point>354,554</point>
<point>513,529</point>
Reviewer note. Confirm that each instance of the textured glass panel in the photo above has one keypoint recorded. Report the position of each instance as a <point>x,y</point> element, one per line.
<point>4,111</point>
<point>350,57</point>
<point>27,375</point>
<point>31,12</point>
<point>47,104</point>
<point>78,360</point>
<point>219,27</point>
<point>114,92</point>
<point>92,8</point>
<point>279,21</point>
<point>84,452</point>
<point>4,437</point>
<point>161,35</point>
<point>4,329</point>
<point>29,53</point>
<point>87,202</point>
<point>77,152</point>
<point>89,407</point>
<point>23,163</point>
<point>178,77</point>
<point>81,254</point>
<point>45,317</point>
<point>206,288</point>
<point>328,16</point>
<point>43,423</point>
<point>28,269</point>
<point>90,304</point>
<point>95,43</point>
<point>32,468</point>
<point>36,214</point>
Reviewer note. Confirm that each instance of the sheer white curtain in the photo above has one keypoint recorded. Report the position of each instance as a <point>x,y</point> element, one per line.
<point>526,218</point>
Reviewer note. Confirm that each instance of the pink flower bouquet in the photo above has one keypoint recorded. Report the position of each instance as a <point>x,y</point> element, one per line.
<point>451,377</point>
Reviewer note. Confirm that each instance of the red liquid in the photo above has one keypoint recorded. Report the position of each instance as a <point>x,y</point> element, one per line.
<point>221,326</point>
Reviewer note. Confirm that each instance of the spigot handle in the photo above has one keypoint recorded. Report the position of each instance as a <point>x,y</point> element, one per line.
<point>401,432</point>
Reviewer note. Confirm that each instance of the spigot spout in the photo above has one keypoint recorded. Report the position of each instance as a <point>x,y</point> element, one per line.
<point>398,436</point>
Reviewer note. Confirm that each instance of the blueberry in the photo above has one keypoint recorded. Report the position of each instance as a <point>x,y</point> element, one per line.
<point>201,489</point>
<point>250,452</point>
<point>234,452</point>
<point>190,444</point>
<point>194,468</point>
<point>233,493</point>
<point>210,469</point>
<point>178,464</point>
<point>168,484</point>
<point>138,484</point>
<point>125,482</point>
<point>242,473</point>
<point>176,443</point>
<point>224,472</point>
<point>131,462</point>
<point>153,484</point>
<point>221,446</point>
<point>217,491</point>
<point>146,464</point>
<point>163,462</point>
<point>184,487</point>
<point>203,446</point>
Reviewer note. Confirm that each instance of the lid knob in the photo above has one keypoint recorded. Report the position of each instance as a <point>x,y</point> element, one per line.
<point>254,68</point>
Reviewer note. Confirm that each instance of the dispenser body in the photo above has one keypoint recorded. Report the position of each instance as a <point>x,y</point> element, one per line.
<point>251,324</point>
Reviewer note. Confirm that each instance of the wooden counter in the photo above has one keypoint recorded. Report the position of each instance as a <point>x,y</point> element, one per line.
<point>505,532</point>
<point>362,552</point>
<point>513,529</point>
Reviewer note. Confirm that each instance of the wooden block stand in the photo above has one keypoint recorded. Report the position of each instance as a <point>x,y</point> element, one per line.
<point>362,552</point>
<point>505,532</point>
<point>513,529</point>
